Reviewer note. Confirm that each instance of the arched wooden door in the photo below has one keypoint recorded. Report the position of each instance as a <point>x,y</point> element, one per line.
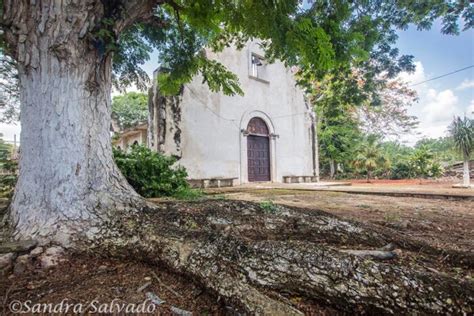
<point>258,150</point>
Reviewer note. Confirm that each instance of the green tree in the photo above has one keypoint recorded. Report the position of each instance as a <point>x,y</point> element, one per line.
<point>443,148</point>
<point>130,109</point>
<point>390,117</point>
<point>344,112</point>
<point>337,135</point>
<point>5,149</point>
<point>9,89</point>
<point>462,131</point>
<point>423,164</point>
<point>371,157</point>
<point>399,155</point>
<point>395,151</point>
<point>420,160</point>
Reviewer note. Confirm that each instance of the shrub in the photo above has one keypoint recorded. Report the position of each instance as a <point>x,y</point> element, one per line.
<point>435,170</point>
<point>152,174</point>
<point>7,185</point>
<point>401,170</point>
<point>412,169</point>
<point>8,177</point>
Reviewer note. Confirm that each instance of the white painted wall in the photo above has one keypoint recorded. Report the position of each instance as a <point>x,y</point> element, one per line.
<point>126,141</point>
<point>212,143</point>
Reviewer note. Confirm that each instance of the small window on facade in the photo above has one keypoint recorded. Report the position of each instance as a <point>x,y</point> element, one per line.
<point>258,67</point>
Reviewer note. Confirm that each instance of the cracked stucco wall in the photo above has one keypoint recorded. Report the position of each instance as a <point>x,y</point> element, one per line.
<point>164,121</point>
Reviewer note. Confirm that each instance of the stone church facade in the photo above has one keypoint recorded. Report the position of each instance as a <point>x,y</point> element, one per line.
<point>265,135</point>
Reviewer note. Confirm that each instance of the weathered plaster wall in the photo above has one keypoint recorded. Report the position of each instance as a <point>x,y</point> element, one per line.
<point>164,121</point>
<point>126,141</point>
<point>212,143</point>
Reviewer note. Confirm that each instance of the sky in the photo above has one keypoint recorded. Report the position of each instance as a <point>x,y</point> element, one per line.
<point>435,54</point>
<point>439,100</point>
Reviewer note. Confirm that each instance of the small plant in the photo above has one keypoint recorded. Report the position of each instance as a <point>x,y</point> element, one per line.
<point>435,170</point>
<point>269,207</point>
<point>152,174</point>
<point>220,197</point>
<point>188,194</point>
<point>391,217</point>
<point>191,224</point>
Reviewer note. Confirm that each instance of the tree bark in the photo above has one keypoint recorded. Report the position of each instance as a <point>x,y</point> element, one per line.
<point>466,172</point>
<point>248,257</point>
<point>332,168</point>
<point>67,177</point>
<point>315,145</point>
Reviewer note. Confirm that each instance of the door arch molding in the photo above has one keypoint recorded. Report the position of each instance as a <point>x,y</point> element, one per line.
<point>246,117</point>
<point>258,151</point>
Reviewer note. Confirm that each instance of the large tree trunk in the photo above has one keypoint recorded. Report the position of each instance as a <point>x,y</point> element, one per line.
<point>67,174</point>
<point>314,130</point>
<point>332,169</point>
<point>466,172</point>
<point>70,192</point>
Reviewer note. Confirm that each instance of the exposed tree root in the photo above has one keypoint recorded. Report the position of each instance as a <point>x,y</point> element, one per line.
<point>374,254</point>
<point>236,249</point>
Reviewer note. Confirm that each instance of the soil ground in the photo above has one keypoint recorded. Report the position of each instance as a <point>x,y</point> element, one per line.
<point>442,224</point>
<point>89,279</point>
<point>406,186</point>
<point>441,186</point>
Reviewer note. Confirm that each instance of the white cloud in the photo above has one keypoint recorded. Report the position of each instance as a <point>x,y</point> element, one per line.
<point>440,106</point>
<point>435,108</point>
<point>435,112</point>
<point>415,77</point>
<point>9,130</point>
<point>466,84</point>
<point>470,109</point>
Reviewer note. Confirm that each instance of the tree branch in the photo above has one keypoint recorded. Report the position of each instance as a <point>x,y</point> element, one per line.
<point>137,10</point>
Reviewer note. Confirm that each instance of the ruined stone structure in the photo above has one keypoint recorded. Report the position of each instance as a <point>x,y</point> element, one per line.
<point>131,136</point>
<point>265,135</point>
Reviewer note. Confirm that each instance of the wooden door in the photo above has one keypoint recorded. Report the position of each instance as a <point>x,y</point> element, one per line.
<point>258,153</point>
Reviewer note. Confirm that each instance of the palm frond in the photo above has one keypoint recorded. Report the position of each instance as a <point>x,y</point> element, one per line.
<point>462,131</point>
